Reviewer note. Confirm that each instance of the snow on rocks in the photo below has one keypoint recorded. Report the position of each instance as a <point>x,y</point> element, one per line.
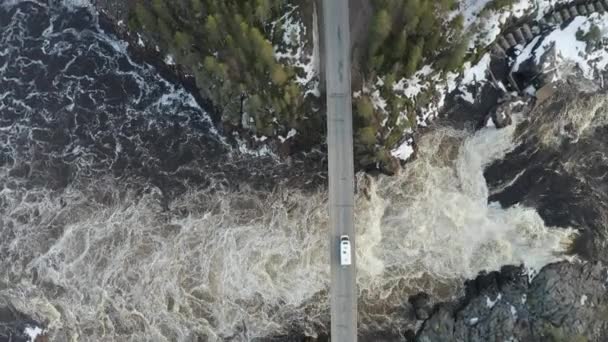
<point>169,60</point>
<point>426,79</point>
<point>484,24</point>
<point>489,23</point>
<point>292,133</point>
<point>513,311</point>
<point>490,303</point>
<point>378,101</point>
<point>545,6</point>
<point>260,139</point>
<point>566,48</point>
<point>244,149</point>
<point>440,84</point>
<point>33,333</point>
<point>404,151</point>
<point>476,74</point>
<point>293,50</point>
<point>554,296</point>
<point>412,86</point>
<point>140,41</point>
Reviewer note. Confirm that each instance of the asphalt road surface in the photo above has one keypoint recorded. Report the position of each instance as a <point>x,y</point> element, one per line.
<point>343,293</point>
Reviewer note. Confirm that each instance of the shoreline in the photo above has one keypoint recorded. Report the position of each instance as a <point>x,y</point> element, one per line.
<point>298,147</point>
<point>146,55</point>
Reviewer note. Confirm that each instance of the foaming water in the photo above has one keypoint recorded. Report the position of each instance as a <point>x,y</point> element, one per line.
<point>578,120</point>
<point>437,210</point>
<point>98,243</point>
<point>432,226</point>
<point>105,263</point>
<point>560,165</point>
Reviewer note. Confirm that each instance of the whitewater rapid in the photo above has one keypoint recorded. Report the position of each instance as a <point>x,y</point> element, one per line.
<point>107,236</point>
<point>220,263</point>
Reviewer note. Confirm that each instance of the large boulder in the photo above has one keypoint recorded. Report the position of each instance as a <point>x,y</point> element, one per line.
<point>17,327</point>
<point>509,104</point>
<point>564,302</point>
<point>421,303</point>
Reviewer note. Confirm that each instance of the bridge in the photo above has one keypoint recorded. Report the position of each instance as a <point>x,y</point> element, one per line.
<point>343,291</point>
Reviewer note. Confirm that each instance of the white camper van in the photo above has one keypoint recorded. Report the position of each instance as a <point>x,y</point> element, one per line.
<point>344,250</point>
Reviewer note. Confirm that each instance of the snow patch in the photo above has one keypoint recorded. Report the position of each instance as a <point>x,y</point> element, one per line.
<point>531,273</point>
<point>530,90</point>
<point>404,151</point>
<point>490,123</point>
<point>488,23</point>
<point>545,6</point>
<point>33,333</point>
<point>75,4</point>
<point>412,86</point>
<point>292,50</point>
<point>140,41</point>
<point>583,300</point>
<point>513,311</point>
<point>473,320</point>
<point>477,72</point>
<point>169,60</point>
<point>264,150</point>
<point>473,75</point>
<point>567,48</point>
<point>292,133</point>
<point>490,303</point>
<point>378,101</point>
<point>426,79</point>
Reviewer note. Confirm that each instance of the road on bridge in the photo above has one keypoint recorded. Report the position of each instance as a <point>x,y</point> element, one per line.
<point>343,292</point>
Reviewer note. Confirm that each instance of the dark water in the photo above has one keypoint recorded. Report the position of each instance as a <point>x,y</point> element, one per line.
<point>95,143</point>
<point>125,216</point>
<point>560,167</point>
<point>74,105</point>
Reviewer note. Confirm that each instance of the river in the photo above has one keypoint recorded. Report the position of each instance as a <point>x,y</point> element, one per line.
<point>126,216</point>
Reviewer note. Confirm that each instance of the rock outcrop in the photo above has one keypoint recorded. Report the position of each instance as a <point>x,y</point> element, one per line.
<point>564,302</point>
<point>17,327</point>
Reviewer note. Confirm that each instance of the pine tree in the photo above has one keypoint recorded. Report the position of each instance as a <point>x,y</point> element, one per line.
<point>411,14</point>
<point>263,10</point>
<point>197,6</point>
<point>261,47</point>
<point>212,30</point>
<point>398,50</point>
<point>253,104</point>
<point>380,29</point>
<point>454,57</point>
<point>212,66</point>
<point>366,135</point>
<point>162,11</point>
<point>183,41</point>
<point>278,74</point>
<point>145,17</point>
<point>414,58</point>
<point>365,109</point>
<point>166,34</point>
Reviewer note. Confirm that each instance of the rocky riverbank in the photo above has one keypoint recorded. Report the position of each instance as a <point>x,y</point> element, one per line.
<point>17,327</point>
<point>69,199</point>
<point>290,119</point>
<point>564,302</point>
